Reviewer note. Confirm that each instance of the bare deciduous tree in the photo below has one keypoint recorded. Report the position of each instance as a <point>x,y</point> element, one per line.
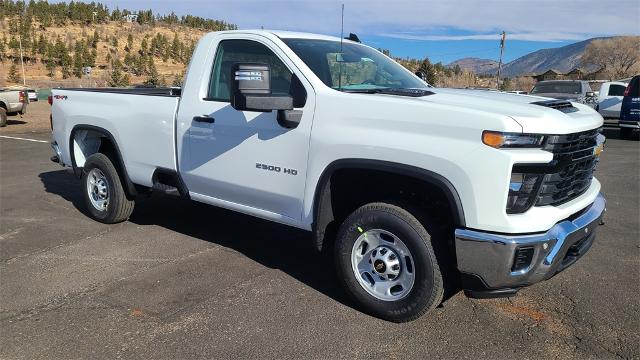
<point>619,56</point>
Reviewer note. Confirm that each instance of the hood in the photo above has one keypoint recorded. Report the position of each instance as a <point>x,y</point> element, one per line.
<point>532,117</point>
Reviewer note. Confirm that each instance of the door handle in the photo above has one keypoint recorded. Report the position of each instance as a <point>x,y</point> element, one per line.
<point>204,118</point>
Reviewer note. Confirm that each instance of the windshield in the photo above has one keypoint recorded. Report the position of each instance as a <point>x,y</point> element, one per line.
<point>355,68</point>
<point>557,87</point>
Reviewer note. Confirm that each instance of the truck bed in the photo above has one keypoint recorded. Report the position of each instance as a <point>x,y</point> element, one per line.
<point>140,120</point>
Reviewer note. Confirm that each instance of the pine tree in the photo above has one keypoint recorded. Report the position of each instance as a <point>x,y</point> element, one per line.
<point>505,84</point>
<point>13,77</point>
<point>175,47</point>
<point>42,45</point>
<point>78,61</point>
<point>153,77</point>
<point>2,50</point>
<point>129,46</point>
<point>144,46</point>
<point>177,81</point>
<point>15,46</point>
<point>66,63</point>
<point>117,78</point>
<point>51,68</point>
<point>96,38</point>
<point>428,71</point>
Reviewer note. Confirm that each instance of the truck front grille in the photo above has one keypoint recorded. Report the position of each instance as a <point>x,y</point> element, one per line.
<point>573,165</point>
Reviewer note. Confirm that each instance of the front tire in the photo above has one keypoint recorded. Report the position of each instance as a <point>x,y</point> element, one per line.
<point>386,262</point>
<point>103,192</point>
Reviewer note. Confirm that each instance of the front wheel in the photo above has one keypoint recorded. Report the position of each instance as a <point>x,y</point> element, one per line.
<point>386,262</point>
<point>103,192</point>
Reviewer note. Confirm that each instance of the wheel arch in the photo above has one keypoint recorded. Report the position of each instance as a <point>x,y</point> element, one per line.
<point>322,201</point>
<point>127,184</point>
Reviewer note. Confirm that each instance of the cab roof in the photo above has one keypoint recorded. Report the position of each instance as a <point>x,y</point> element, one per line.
<point>288,34</point>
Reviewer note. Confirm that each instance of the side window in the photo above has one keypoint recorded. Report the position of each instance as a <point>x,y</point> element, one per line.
<point>246,51</point>
<point>616,90</point>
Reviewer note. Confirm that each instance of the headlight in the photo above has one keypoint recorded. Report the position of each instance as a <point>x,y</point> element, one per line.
<point>511,140</point>
<point>523,189</point>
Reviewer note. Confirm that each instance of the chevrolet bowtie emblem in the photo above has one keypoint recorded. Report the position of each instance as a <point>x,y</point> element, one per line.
<point>597,150</point>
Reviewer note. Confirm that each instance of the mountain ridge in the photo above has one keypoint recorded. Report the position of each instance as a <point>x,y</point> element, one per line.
<point>563,59</point>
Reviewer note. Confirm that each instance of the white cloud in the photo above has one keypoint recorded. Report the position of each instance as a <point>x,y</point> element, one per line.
<point>539,36</point>
<point>539,20</point>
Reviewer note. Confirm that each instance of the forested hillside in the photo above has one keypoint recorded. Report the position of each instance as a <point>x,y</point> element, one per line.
<point>59,40</point>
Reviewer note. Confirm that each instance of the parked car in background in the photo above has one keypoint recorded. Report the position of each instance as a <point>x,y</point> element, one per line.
<point>610,99</point>
<point>33,95</point>
<point>573,90</point>
<point>630,108</point>
<point>12,102</point>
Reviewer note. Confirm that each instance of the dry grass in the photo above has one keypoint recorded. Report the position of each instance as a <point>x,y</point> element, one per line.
<point>36,73</point>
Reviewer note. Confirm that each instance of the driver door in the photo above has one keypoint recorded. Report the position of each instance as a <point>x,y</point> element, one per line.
<point>244,160</point>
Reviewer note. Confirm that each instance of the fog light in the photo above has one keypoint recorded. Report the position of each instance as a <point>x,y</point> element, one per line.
<point>522,258</point>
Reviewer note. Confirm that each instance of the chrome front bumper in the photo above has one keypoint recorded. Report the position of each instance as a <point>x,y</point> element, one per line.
<point>486,260</point>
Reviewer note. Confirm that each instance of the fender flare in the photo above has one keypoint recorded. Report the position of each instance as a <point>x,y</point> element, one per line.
<point>396,168</point>
<point>124,176</point>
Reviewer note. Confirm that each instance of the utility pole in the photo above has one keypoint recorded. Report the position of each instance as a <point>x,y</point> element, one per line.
<point>502,40</point>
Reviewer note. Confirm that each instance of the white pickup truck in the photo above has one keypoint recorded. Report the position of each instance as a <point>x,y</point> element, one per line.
<point>12,101</point>
<point>410,188</point>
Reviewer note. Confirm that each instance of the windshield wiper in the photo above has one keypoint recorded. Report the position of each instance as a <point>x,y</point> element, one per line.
<point>393,91</point>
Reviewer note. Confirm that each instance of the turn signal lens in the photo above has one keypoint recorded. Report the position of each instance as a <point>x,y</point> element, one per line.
<point>493,139</point>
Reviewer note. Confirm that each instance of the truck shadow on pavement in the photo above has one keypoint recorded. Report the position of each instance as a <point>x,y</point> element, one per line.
<point>269,244</point>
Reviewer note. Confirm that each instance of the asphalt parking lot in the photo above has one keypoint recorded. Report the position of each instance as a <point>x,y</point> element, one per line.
<point>185,280</point>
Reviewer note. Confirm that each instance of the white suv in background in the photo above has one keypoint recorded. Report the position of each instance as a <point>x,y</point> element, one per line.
<point>610,99</point>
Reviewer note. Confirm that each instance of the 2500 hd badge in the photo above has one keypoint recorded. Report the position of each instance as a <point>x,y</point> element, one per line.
<point>276,169</point>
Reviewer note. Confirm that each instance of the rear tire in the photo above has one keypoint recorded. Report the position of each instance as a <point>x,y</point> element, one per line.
<point>3,117</point>
<point>104,195</point>
<point>371,236</point>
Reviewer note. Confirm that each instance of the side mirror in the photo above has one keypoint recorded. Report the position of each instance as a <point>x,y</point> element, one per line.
<point>251,89</point>
<point>420,74</point>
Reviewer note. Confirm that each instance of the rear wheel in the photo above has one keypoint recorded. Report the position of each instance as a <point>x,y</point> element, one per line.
<point>3,117</point>
<point>386,262</point>
<point>103,192</point>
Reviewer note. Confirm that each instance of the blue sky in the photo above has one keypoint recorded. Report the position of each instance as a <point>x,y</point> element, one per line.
<point>443,30</point>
